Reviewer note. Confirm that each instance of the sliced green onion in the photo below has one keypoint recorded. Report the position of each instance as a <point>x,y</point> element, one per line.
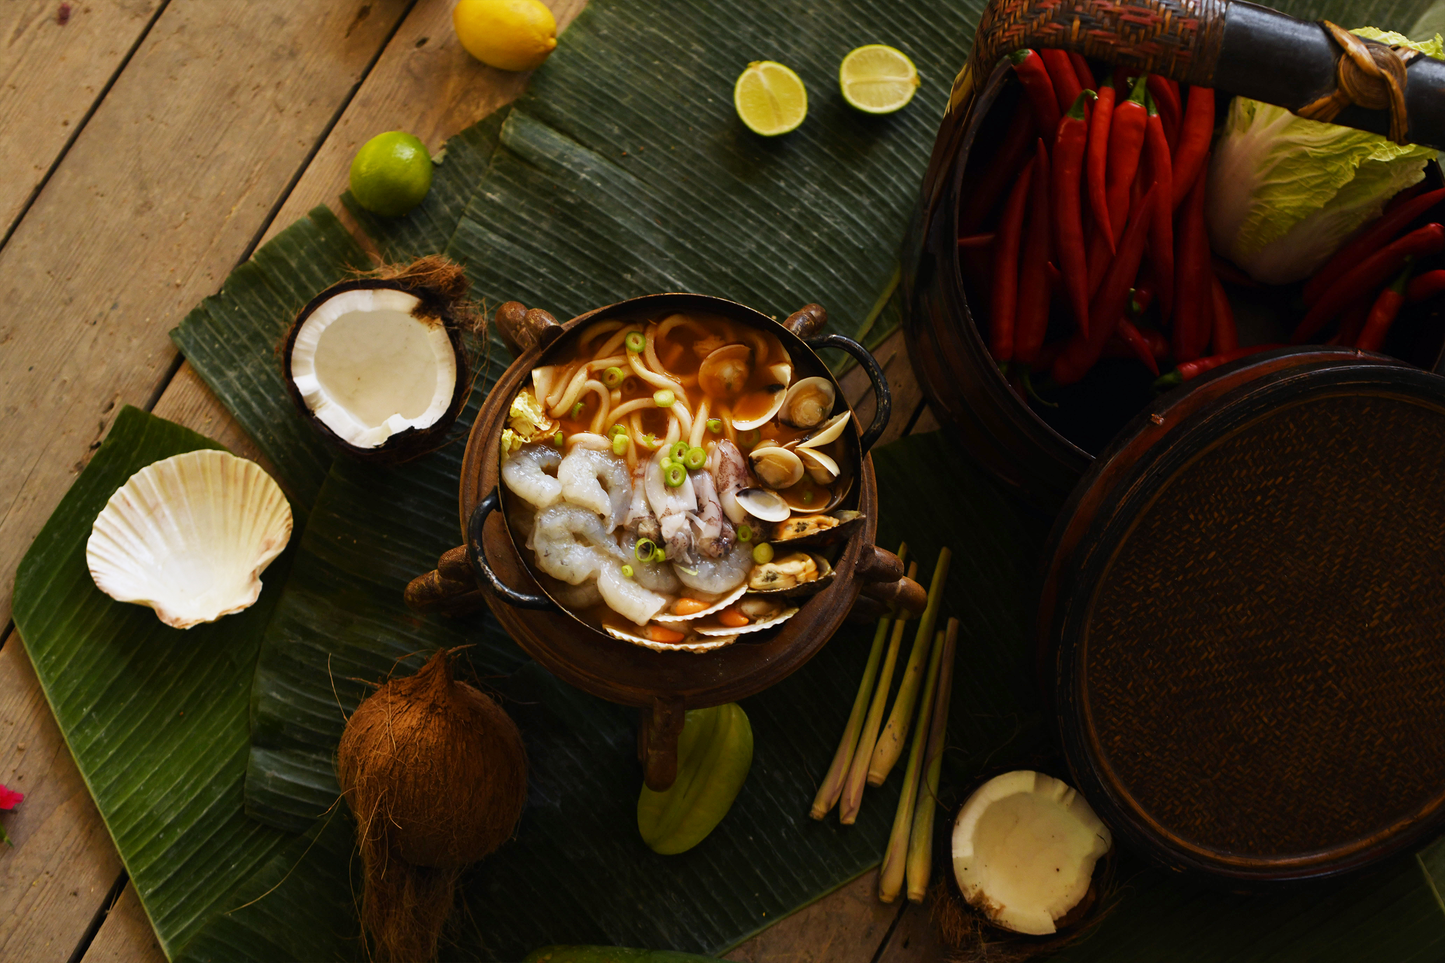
<point>627,571</point>
<point>664,398</point>
<point>660,555</point>
<point>675,475</point>
<point>635,341</point>
<point>714,425</point>
<point>612,377</point>
<point>651,440</point>
<point>665,463</point>
<point>577,408</point>
<point>694,459</point>
<point>616,430</point>
<point>619,444</point>
<point>745,533</point>
<point>762,553</point>
<point>807,496</point>
<point>678,450</point>
<point>641,554</point>
<point>558,439</point>
<point>751,438</point>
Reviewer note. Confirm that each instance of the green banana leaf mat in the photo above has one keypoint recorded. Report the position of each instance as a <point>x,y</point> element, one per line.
<point>622,171</point>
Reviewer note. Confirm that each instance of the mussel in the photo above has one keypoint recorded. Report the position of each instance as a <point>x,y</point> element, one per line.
<point>796,574</point>
<point>815,531</point>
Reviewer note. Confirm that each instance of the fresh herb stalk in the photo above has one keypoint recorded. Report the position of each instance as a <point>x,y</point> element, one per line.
<point>858,772</point>
<point>895,858</point>
<point>890,742</point>
<point>920,839</point>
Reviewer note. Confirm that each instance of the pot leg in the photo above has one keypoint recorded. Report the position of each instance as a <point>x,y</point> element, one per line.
<point>657,734</point>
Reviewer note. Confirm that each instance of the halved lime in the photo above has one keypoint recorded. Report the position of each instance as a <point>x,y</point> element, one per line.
<point>770,98</point>
<point>877,79</point>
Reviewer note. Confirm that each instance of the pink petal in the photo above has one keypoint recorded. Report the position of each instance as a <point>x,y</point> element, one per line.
<point>9,798</point>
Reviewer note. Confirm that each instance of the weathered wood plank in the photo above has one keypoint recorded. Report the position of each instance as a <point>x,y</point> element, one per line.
<point>425,84</point>
<point>915,939</point>
<point>892,357</point>
<point>846,926</point>
<point>51,74</point>
<point>187,401</point>
<point>63,865</point>
<point>159,197</point>
<point>126,935</point>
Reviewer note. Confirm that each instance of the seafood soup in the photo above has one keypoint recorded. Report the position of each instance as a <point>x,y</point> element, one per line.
<point>677,480</point>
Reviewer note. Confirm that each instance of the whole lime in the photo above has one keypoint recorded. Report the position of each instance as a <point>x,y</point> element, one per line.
<point>391,173</point>
<point>507,34</point>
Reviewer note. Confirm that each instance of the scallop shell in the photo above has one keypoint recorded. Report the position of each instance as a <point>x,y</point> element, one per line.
<point>691,643</point>
<point>758,626</point>
<point>717,606</point>
<point>189,536</point>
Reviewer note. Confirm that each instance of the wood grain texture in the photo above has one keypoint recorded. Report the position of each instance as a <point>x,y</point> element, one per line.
<point>158,198</point>
<point>126,935</point>
<point>187,401</point>
<point>846,926</point>
<point>424,83</point>
<point>51,73</point>
<point>63,864</point>
<point>892,357</point>
<point>915,938</point>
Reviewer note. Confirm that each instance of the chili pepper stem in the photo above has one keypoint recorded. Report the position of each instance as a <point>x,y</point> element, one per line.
<point>895,858</point>
<point>1029,389</point>
<point>890,742</point>
<point>920,838</point>
<point>832,787</point>
<point>852,798</point>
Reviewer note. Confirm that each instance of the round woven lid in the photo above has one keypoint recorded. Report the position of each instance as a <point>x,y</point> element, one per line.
<point>1253,664</point>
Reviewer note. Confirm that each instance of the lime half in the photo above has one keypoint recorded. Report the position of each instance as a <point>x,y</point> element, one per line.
<point>770,98</point>
<point>877,79</point>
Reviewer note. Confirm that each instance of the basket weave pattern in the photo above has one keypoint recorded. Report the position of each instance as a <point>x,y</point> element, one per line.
<point>1264,664</point>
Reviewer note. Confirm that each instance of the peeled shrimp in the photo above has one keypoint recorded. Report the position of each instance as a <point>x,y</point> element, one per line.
<point>525,472</point>
<point>574,597</point>
<point>570,543</point>
<point>716,575</point>
<point>672,506</point>
<point>596,480</point>
<point>626,596</point>
<point>715,534</point>
<point>730,475</point>
<point>657,576</point>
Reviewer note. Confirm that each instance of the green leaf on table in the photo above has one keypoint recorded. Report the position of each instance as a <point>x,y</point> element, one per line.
<point>157,718</point>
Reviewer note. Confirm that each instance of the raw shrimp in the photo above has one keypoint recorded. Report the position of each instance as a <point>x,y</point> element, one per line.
<point>570,543</point>
<point>715,534</point>
<point>730,475</point>
<point>574,597</point>
<point>526,474</point>
<point>596,480</point>
<point>657,576</point>
<point>626,597</point>
<point>672,506</point>
<point>640,520</point>
<point>716,575</point>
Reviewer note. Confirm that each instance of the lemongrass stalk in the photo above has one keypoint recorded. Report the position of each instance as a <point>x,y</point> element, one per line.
<point>920,839</point>
<point>852,798</point>
<point>895,858</point>
<point>832,786</point>
<point>890,741</point>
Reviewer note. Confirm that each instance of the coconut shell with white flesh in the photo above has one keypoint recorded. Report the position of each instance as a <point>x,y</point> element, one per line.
<point>1024,850</point>
<point>378,365</point>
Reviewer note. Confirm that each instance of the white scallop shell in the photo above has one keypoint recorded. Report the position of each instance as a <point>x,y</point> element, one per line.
<point>189,536</point>
<point>757,626</point>
<point>717,606</point>
<point>690,643</point>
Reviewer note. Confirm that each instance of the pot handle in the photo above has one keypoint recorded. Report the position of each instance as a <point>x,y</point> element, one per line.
<point>521,329</point>
<point>875,375</point>
<point>478,554</point>
<point>881,573</point>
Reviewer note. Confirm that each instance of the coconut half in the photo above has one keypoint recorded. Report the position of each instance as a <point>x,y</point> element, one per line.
<point>189,536</point>
<point>378,364</point>
<point>1024,849</point>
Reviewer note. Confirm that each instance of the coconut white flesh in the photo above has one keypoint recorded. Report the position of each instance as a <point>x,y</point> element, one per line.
<point>1024,849</point>
<point>369,369</point>
<point>189,536</point>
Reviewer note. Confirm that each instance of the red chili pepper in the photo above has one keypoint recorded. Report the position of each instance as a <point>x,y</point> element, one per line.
<point>1048,354</point>
<point>976,241</point>
<point>1195,132</point>
<point>1226,271</point>
<point>1004,302</point>
<point>1061,72</point>
<point>1034,75</point>
<point>1425,286</point>
<point>999,174</point>
<point>1166,95</point>
<point>1141,297</point>
<point>1126,144</point>
<point>1193,369</point>
<point>1083,71</point>
<point>1192,295</point>
<point>1382,314</point>
<point>1374,237</point>
<point>1069,146</point>
<point>1138,345</point>
<point>1033,298</point>
<point>1108,305</point>
<point>1226,335</point>
<point>1161,229</point>
<point>1352,322</point>
<point>1368,275</point>
<point>1098,151</point>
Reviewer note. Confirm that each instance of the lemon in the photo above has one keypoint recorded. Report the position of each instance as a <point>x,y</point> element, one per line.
<point>877,79</point>
<point>391,173</point>
<point>770,98</point>
<point>509,34</point>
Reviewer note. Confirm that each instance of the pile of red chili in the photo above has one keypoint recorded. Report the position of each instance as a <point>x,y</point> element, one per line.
<point>1103,217</point>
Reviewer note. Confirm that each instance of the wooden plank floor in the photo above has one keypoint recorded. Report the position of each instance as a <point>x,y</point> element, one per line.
<point>157,143</point>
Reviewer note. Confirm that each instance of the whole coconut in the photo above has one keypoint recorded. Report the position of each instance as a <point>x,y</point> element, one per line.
<point>436,776</point>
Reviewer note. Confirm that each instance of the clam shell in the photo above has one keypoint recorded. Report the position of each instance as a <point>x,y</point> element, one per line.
<point>775,404</point>
<point>778,619</point>
<point>820,467</point>
<point>717,606</point>
<point>691,643</point>
<point>808,403</point>
<point>830,431</point>
<point>763,504</point>
<point>189,536</point>
<point>776,467</point>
